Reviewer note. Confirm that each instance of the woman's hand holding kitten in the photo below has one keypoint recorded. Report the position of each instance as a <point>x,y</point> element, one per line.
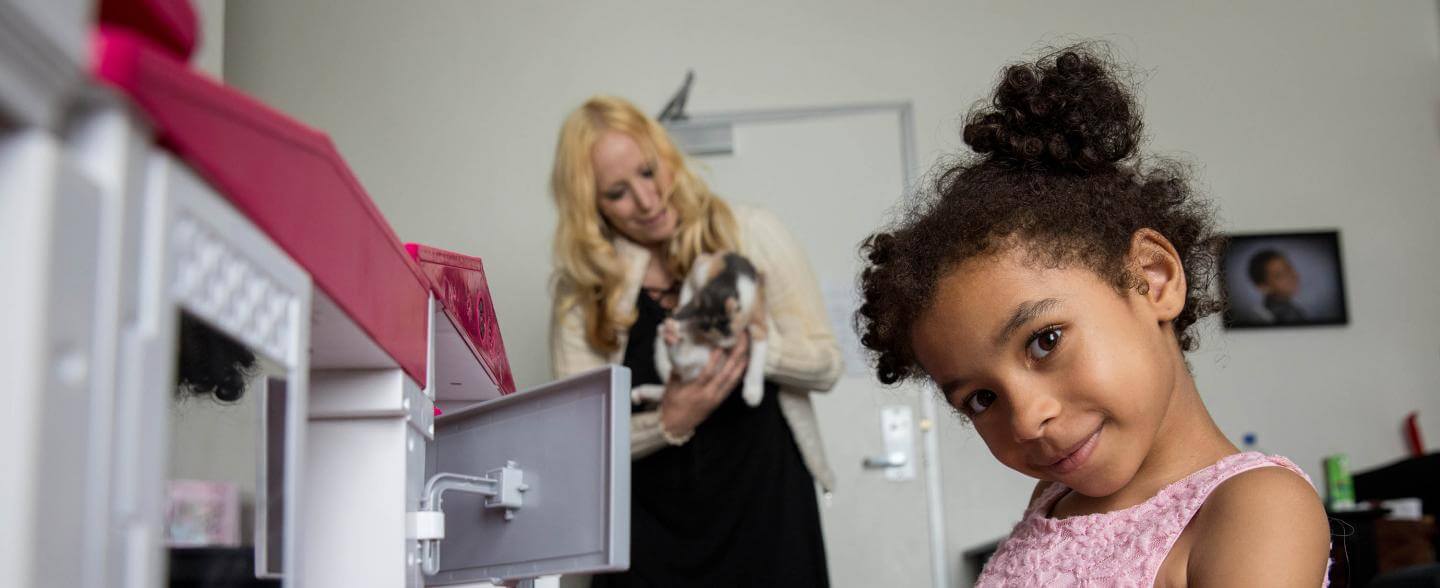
<point>687,404</point>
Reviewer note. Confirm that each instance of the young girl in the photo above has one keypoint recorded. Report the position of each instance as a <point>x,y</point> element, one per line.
<point>1049,290</point>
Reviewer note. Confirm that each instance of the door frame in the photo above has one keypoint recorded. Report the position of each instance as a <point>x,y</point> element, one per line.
<point>904,112</point>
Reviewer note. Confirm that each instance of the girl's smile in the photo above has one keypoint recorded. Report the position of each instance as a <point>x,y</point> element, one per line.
<point>1076,457</point>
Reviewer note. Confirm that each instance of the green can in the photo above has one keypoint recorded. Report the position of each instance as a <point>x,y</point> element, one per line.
<point>1339,488</point>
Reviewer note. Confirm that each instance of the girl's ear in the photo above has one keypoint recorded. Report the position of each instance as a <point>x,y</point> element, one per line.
<point>1156,262</point>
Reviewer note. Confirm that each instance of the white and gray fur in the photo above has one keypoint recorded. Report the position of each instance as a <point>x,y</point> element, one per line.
<point>722,295</point>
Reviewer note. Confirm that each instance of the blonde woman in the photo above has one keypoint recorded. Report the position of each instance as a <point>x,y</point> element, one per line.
<point>723,494</point>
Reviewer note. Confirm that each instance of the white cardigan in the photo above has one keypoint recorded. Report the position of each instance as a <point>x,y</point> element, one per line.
<point>802,354</point>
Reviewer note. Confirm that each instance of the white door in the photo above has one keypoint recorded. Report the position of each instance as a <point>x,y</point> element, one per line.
<point>832,177</point>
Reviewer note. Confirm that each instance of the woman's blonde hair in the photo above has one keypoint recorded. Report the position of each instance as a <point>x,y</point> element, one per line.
<point>588,272</point>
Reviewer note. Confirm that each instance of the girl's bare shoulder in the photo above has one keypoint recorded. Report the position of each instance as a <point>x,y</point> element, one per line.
<point>1262,527</point>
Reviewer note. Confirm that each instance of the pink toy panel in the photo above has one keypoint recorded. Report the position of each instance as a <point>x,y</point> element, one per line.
<point>458,282</point>
<point>171,24</point>
<point>289,180</point>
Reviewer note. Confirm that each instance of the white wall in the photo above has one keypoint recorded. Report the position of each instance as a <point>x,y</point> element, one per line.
<point>210,54</point>
<point>1301,114</point>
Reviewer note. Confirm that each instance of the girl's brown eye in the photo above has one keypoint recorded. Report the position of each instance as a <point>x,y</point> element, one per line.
<point>1044,342</point>
<point>979,401</point>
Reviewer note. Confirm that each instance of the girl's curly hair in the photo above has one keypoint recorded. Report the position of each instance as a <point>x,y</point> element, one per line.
<point>1055,171</point>
<point>211,364</point>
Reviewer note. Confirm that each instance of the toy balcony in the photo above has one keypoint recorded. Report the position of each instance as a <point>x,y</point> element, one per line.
<point>135,191</point>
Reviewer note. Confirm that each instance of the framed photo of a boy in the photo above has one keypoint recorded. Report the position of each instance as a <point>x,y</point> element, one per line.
<point>1283,280</point>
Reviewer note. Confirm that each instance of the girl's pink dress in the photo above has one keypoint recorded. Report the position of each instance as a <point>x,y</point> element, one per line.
<point>1120,548</point>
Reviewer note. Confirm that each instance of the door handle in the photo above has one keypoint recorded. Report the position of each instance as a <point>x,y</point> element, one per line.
<point>893,460</point>
<point>897,429</point>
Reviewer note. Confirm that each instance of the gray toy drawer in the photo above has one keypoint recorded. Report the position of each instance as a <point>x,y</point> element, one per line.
<point>571,440</point>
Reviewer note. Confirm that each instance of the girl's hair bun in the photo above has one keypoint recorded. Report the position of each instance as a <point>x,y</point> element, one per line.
<point>1065,111</point>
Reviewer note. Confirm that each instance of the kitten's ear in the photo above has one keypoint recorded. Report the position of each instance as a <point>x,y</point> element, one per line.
<point>700,266</point>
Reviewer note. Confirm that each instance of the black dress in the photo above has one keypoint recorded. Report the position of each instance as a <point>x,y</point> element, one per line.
<point>735,506</point>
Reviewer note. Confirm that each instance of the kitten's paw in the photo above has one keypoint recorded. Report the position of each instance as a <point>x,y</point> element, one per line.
<point>643,394</point>
<point>753,394</point>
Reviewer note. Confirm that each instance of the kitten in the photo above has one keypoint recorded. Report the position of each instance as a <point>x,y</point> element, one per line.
<point>723,295</point>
